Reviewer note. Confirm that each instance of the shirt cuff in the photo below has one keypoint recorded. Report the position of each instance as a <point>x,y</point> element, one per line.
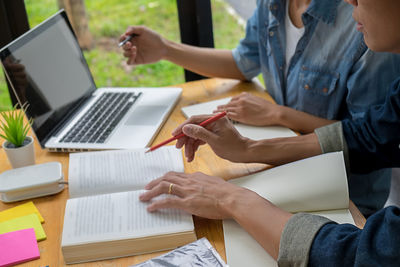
<point>243,64</point>
<point>297,238</point>
<point>331,139</point>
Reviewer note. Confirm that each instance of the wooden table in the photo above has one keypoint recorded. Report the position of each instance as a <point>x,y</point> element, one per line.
<point>52,207</point>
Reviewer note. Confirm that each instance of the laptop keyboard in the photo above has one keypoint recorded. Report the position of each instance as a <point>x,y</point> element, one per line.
<point>101,119</point>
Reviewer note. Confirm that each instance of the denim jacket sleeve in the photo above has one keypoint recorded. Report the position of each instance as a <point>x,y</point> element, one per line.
<point>246,54</point>
<point>310,240</point>
<point>374,140</point>
<point>346,245</point>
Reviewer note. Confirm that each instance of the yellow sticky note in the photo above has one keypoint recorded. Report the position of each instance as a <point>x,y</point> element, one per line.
<point>20,210</point>
<point>24,222</point>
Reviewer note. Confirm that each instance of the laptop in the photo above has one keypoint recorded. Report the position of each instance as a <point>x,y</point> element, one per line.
<point>47,70</point>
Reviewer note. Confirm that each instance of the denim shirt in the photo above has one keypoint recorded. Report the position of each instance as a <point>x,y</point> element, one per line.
<point>373,141</point>
<point>311,240</point>
<point>331,75</point>
<point>346,245</point>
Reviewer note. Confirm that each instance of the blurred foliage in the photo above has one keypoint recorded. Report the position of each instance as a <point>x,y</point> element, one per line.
<point>108,19</point>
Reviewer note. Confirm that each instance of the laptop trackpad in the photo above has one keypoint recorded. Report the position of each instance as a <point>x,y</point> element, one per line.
<point>146,115</point>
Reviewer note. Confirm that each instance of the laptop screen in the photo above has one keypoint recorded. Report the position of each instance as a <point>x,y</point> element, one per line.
<point>47,70</point>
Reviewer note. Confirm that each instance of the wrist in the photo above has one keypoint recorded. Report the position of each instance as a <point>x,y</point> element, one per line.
<point>279,151</point>
<point>257,150</point>
<point>237,202</point>
<point>170,49</point>
<point>251,151</point>
<point>282,116</point>
<point>277,116</point>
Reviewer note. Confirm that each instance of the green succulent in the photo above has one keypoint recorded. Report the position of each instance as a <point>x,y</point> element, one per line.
<point>12,125</point>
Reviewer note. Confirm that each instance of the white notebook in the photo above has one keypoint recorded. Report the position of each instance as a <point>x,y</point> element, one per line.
<point>315,185</point>
<point>252,132</point>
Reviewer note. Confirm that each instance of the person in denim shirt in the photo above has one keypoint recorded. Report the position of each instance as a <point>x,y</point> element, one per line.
<point>370,142</point>
<point>329,76</point>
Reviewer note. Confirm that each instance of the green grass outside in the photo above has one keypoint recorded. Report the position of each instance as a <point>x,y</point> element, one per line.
<point>109,19</point>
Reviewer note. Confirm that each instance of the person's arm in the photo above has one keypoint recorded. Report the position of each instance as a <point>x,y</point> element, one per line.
<point>214,198</point>
<point>208,62</point>
<point>242,63</point>
<point>301,121</point>
<point>369,143</point>
<point>227,143</point>
<point>253,110</point>
<point>373,141</point>
<point>148,46</point>
<point>309,240</point>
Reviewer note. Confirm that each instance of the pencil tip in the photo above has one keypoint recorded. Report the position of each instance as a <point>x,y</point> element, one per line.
<point>147,151</point>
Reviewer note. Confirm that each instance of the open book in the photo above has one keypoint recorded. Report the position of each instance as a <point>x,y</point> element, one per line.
<point>315,185</point>
<point>252,132</point>
<point>104,217</point>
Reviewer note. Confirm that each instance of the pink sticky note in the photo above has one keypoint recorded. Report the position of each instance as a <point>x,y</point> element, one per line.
<point>18,246</point>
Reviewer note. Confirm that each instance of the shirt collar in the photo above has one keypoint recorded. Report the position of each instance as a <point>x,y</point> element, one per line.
<point>325,10</point>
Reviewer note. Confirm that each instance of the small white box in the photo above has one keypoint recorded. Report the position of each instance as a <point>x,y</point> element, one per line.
<point>31,181</point>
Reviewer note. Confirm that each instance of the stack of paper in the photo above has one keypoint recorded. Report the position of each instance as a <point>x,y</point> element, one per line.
<point>20,229</point>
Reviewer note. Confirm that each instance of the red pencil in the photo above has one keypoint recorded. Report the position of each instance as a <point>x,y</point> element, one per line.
<point>204,123</point>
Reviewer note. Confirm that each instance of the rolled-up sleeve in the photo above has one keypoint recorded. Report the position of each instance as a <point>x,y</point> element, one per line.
<point>310,240</point>
<point>297,238</point>
<point>246,54</point>
<point>331,139</point>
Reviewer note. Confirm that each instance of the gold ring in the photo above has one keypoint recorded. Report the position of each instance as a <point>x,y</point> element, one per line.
<point>170,188</point>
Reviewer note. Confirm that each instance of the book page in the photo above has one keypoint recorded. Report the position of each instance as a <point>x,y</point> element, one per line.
<point>317,184</point>
<point>118,216</point>
<point>252,132</point>
<point>102,172</point>
<point>339,216</point>
<point>313,184</point>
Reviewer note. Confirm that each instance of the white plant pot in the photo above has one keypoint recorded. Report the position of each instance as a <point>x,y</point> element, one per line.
<point>20,156</point>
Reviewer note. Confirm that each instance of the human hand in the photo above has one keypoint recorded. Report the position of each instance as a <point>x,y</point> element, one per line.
<point>146,47</point>
<point>221,135</point>
<point>199,194</point>
<point>250,109</point>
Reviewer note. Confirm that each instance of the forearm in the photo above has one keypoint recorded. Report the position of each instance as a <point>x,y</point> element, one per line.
<point>300,121</point>
<point>279,151</point>
<point>263,221</point>
<point>208,62</point>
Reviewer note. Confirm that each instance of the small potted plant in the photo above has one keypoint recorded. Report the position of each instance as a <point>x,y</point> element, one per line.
<point>18,146</point>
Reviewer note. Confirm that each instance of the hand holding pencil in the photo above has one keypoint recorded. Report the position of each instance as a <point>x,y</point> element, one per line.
<point>203,124</point>
<point>220,134</point>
